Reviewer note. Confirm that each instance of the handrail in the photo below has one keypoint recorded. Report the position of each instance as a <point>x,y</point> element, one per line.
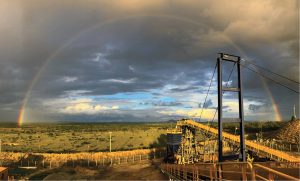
<point>267,150</point>
<point>195,170</point>
<point>261,178</point>
<point>270,170</point>
<point>171,169</point>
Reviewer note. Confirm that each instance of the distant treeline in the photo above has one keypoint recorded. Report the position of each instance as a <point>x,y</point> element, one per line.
<point>252,127</point>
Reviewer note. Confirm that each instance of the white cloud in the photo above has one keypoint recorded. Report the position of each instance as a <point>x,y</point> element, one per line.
<point>75,93</point>
<point>194,113</point>
<point>227,83</point>
<point>131,68</point>
<point>86,106</point>
<point>100,58</point>
<point>122,81</point>
<point>69,79</point>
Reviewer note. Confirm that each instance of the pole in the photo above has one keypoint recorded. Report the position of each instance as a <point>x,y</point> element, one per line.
<point>110,141</point>
<point>220,146</point>
<point>241,113</point>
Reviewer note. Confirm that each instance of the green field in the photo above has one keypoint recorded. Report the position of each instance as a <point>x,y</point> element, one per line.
<point>94,137</point>
<point>81,137</point>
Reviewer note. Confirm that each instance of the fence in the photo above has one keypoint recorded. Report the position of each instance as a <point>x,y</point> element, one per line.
<point>281,146</point>
<point>85,162</point>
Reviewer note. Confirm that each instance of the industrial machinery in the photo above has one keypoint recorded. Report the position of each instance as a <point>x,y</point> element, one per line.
<point>220,148</point>
<point>174,138</point>
<point>182,147</point>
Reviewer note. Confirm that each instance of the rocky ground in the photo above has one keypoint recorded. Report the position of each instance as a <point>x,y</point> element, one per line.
<point>290,133</point>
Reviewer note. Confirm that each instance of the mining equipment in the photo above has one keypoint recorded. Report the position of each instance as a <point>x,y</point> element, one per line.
<point>3,173</point>
<point>234,154</point>
<point>182,147</point>
<point>174,138</point>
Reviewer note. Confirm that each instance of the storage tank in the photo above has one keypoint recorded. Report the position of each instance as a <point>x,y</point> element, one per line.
<point>173,143</point>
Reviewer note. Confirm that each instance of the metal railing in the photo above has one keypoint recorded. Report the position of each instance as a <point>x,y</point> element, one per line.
<point>224,171</point>
<point>257,148</point>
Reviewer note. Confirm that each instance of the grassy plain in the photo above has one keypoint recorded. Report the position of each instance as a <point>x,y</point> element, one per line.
<point>81,137</point>
<point>94,137</point>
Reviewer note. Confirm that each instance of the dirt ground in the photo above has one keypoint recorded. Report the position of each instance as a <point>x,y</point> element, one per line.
<point>141,171</point>
<point>147,171</point>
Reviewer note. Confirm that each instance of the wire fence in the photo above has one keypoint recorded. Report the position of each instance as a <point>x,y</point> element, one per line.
<point>101,162</point>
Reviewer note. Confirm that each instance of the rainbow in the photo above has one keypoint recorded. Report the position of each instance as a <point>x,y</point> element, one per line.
<point>277,116</point>
<point>22,116</point>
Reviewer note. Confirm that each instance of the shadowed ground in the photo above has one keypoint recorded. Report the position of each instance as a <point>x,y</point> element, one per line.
<point>141,171</point>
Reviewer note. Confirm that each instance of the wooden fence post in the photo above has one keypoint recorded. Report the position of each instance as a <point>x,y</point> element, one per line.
<point>211,173</point>
<point>197,173</point>
<point>220,172</point>
<point>253,174</point>
<point>271,176</point>
<point>244,170</point>
<point>185,174</point>
<point>216,171</point>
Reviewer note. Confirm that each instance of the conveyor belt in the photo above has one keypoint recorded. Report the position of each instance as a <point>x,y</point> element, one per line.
<point>250,145</point>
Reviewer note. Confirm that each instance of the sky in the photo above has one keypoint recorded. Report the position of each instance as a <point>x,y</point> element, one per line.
<point>136,60</point>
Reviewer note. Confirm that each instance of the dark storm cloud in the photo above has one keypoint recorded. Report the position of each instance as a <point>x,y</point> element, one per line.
<point>208,104</point>
<point>226,108</point>
<point>161,43</point>
<point>254,107</point>
<point>184,89</point>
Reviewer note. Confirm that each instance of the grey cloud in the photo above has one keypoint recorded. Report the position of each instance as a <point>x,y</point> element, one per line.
<point>208,103</point>
<point>160,39</point>
<point>254,107</point>
<point>162,103</point>
<point>184,89</point>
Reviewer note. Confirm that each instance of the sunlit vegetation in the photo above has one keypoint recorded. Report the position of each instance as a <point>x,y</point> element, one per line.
<point>80,137</point>
<point>94,137</point>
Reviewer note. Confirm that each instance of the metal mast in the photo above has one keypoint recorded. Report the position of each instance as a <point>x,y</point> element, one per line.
<point>235,59</point>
